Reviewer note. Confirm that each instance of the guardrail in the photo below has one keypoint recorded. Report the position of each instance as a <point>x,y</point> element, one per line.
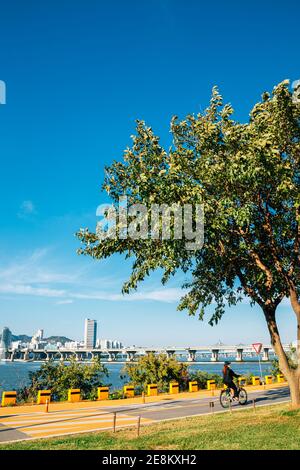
<point>9,398</point>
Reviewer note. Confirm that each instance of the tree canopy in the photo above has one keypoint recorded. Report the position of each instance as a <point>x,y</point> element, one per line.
<point>157,369</point>
<point>59,377</point>
<point>247,177</point>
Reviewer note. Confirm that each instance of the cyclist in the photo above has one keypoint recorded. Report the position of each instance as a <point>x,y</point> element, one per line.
<point>228,376</point>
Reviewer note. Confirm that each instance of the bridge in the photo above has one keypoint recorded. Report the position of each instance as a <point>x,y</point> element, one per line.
<point>214,353</point>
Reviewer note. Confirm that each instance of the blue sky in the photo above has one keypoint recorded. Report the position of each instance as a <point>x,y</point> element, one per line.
<point>78,73</point>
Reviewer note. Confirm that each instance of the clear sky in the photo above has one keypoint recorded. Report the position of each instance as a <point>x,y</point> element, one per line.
<point>78,73</point>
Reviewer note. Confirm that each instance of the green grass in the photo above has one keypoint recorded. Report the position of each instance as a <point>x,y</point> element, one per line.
<point>272,427</point>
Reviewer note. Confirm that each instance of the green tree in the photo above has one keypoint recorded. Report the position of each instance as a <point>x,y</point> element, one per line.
<point>59,377</point>
<point>247,178</point>
<point>157,369</point>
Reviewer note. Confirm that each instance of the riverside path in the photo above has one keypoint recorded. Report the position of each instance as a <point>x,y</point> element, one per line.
<point>32,422</point>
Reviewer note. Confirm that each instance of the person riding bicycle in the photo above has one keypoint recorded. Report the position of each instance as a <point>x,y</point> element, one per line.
<point>228,376</point>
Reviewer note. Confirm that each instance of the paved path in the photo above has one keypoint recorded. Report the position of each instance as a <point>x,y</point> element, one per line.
<point>192,407</point>
<point>17,425</point>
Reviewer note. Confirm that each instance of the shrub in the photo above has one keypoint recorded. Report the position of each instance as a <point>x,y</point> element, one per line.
<point>158,369</point>
<point>201,377</point>
<point>59,377</point>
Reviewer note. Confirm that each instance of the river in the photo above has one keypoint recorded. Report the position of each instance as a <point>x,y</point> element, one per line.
<point>14,375</point>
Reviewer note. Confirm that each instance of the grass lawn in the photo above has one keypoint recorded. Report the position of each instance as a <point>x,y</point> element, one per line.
<point>272,427</point>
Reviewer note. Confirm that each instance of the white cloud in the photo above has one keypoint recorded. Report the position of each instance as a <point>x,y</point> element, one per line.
<point>26,209</point>
<point>160,295</point>
<point>32,276</point>
<point>33,269</point>
<point>23,289</point>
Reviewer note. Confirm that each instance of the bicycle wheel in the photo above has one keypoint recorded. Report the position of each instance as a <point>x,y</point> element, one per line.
<point>243,396</point>
<point>225,399</point>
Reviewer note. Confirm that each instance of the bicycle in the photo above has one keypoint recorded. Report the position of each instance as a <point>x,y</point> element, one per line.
<point>226,397</point>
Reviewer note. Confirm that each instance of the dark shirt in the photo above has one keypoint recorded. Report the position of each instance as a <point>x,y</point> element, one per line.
<point>229,375</point>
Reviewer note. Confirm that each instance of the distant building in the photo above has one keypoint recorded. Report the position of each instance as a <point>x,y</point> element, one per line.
<point>6,338</point>
<point>109,344</point>
<point>37,341</point>
<point>104,344</point>
<point>90,333</point>
<point>72,345</point>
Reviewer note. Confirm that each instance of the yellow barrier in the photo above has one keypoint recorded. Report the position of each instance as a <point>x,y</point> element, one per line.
<point>211,385</point>
<point>128,391</point>
<point>280,378</point>
<point>269,379</point>
<point>174,387</point>
<point>103,393</point>
<point>255,380</point>
<point>242,381</point>
<point>152,390</point>
<point>9,398</point>
<point>74,395</point>
<point>43,395</point>
<point>193,386</point>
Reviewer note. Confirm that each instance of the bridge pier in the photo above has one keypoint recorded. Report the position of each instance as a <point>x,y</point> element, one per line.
<point>191,355</point>
<point>97,355</point>
<point>112,356</point>
<point>239,355</point>
<point>266,356</point>
<point>214,355</point>
<point>81,356</point>
<point>26,355</point>
<point>170,353</point>
<point>12,355</point>
<point>130,356</point>
<point>150,351</point>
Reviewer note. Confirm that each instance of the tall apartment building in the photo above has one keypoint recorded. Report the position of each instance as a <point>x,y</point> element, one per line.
<point>6,338</point>
<point>90,333</point>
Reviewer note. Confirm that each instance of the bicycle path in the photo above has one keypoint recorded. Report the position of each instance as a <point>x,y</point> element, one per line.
<point>16,425</point>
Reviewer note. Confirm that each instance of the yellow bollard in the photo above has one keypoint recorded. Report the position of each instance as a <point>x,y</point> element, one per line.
<point>280,378</point>
<point>103,393</point>
<point>255,380</point>
<point>74,395</point>
<point>211,385</point>
<point>174,387</point>
<point>269,379</point>
<point>193,386</point>
<point>43,396</point>
<point>242,381</point>
<point>152,390</point>
<point>128,391</point>
<point>9,398</point>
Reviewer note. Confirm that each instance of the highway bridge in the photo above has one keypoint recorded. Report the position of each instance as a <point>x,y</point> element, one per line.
<point>212,353</point>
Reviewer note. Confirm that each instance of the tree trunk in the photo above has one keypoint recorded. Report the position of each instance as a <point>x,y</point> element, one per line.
<point>292,376</point>
<point>294,384</point>
<point>296,307</point>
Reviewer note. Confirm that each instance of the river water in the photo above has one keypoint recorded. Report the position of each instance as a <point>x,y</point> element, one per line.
<point>14,375</point>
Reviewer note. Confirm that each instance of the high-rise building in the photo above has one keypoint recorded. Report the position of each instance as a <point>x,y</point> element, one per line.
<point>90,333</point>
<point>6,338</point>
